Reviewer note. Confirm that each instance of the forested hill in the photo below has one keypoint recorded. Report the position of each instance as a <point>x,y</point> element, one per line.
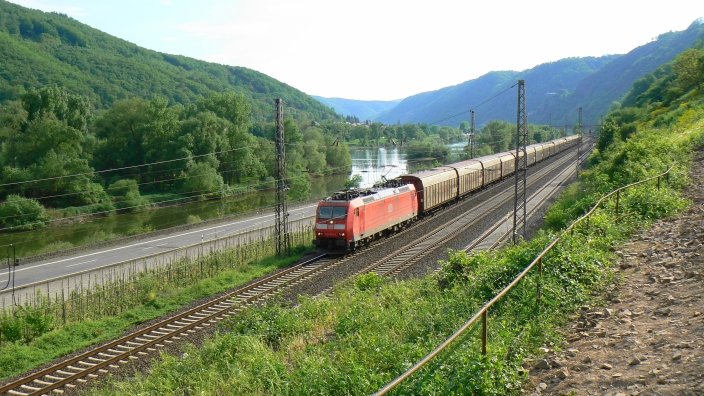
<point>554,90</point>
<point>39,49</point>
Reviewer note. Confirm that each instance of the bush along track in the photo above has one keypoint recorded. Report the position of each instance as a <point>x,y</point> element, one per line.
<point>373,329</point>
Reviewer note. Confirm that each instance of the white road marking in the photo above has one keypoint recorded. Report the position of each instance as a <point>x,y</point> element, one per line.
<point>85,262</point>
<point>157,240</point>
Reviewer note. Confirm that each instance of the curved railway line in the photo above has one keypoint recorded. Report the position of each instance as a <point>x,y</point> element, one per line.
<point>79,369</point>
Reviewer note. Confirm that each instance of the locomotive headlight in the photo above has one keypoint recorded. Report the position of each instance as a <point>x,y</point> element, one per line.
<point>341,234</point>
<point>320,234</point>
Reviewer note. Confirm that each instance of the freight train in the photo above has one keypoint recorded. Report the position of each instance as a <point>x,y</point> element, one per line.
<point>353,218</point>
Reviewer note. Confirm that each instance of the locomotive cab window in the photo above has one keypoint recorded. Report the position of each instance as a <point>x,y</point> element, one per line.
<point>325,212</point>
<point>339,212</point>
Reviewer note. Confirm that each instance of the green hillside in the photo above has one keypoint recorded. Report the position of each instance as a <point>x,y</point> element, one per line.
<point>40,49</point>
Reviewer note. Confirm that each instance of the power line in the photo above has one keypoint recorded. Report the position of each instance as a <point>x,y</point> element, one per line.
<point>122,168</point>
<point>138,184</point>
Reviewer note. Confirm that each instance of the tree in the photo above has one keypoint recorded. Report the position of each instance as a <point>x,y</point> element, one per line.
<point>202,179</point>
<point>689,68</point>
<point>125,195</point>
<point>497,135</point>
<point>121,131</point>
<point>22,213</point>
<point>74,110</point>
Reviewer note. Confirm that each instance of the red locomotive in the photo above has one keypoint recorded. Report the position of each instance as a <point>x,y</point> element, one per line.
<point>349,219</point>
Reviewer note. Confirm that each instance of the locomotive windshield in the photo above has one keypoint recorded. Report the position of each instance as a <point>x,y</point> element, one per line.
<point>332,212</point>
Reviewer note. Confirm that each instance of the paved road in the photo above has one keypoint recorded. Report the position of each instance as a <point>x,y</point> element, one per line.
<point>89,259</point>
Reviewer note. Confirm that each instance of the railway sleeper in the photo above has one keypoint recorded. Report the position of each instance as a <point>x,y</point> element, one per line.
<point>66,373</point>
<point>42,382</point>
<point>16,393</point>
<point>30,388</point>
<point>53,377</point>
<point>173,327</point>
<point>95,359</point>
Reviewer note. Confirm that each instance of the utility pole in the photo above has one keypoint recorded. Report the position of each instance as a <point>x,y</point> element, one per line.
<point>521,163</point>
<point>579,139</point>
<point>471,135</point>
<point>281,221</point>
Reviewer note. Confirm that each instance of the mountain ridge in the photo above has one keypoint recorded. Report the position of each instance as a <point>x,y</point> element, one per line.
<point>593,83</point>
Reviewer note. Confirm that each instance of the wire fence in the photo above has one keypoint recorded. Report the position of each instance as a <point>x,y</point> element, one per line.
<point>483,314</point>
<point>116,288</point>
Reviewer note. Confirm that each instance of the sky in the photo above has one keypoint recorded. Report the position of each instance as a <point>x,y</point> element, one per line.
<point>381,49</point>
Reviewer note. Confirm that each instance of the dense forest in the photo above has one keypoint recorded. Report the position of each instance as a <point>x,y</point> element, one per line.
<point>57,152</point>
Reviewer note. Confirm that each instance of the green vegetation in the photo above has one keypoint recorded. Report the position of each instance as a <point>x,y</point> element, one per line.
<point>371,330</point>
<point>35,334</point>
<point>23,213</point>
<point>397,135</point>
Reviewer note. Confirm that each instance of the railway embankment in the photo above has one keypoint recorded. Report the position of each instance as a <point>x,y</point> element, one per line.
<point>647,335</point>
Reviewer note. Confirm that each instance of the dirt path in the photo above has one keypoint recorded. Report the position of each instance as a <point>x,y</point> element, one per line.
<point>649,339</point>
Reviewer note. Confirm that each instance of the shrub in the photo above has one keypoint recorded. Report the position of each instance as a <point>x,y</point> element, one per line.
<point>21,213</point>
<point>125,195</point>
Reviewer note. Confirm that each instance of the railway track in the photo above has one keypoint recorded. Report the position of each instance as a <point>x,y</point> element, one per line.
<point>536,199</point>
<point>89,365</point>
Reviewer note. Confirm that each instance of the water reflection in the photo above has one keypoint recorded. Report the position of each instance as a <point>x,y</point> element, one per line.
<point>377,164</point>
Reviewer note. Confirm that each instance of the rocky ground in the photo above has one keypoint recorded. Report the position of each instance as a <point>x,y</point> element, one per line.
<point>648,339</point>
